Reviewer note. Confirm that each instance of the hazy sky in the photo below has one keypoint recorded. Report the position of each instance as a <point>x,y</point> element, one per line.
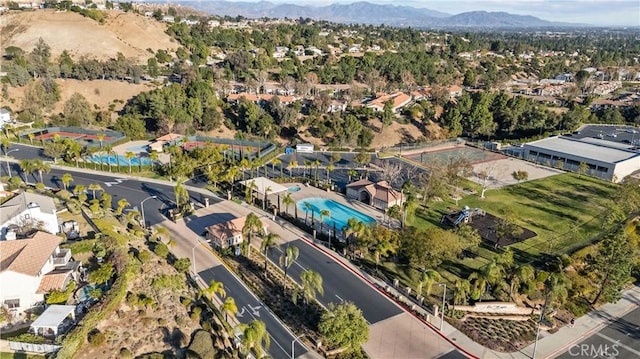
<point>596,12</point>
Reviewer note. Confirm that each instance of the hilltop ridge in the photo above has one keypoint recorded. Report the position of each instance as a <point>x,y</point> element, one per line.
<point>128,33</point>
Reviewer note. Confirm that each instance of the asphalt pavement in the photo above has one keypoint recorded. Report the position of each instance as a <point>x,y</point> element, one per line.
<point>339,283</point>
<point>620,339</point>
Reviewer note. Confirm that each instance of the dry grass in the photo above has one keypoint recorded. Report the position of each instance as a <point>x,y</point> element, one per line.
<point>144,330</point>
<point>127,33</point>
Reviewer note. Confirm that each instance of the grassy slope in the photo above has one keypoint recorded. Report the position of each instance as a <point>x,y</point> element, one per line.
<point>564,210</point>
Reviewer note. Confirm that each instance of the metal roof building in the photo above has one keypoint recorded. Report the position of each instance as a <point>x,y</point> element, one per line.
<point>607,160</point>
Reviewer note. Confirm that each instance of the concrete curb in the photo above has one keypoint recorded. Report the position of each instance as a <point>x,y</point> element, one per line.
<point>373,285</point>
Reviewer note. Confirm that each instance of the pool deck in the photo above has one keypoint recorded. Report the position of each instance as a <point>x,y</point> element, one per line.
<point>139,147</point>
<point>310,192</point>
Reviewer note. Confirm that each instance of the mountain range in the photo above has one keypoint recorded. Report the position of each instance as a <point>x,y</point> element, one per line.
<point>374,14</point>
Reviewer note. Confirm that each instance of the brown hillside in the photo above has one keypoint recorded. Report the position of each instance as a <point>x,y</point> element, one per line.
<point>128,33</point>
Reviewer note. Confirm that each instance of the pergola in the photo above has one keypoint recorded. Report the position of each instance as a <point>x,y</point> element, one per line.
<point>50,320</point>
<point>263,185</point>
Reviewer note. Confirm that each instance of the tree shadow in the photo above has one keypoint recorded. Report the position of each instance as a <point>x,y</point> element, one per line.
<point>175,337</point>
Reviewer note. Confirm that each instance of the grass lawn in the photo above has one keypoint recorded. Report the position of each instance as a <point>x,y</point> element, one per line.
<point>565,211</point>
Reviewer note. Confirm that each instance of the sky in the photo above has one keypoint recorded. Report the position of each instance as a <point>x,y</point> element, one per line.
<point>594,12</point>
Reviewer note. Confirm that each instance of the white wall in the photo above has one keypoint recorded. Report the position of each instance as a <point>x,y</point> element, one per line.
<point>17,285</point>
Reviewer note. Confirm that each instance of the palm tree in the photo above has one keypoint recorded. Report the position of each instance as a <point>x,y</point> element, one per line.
<point>316,163</point>
<point>251,225</point>
<point>66,180</point>
<point>180,193</point>
<point>107,151</point>
<point>153,156</point>
<point>352,173</point>
<point>307,165</point>
<point>255,336</point>
<point>214,288</point>
<point>229,307</point>
<point>28,168</point>
<point>31,136</point>
<point>93,188</point>
<point>462,288</point>
<point>122,203</point>
<point>307,208</point>
<point>288,201</point>
<point>324,213</point>
<point>311,284</point>
<point>101,137</point>
<point>427,279</point>
<point>293,164</point>
<point>329,169</point>
<point>266,193</point>
<point>287,258</point>
<point>74,152</point>
<point>523,274</point>
<point>41,167</point>
<point>277,161</point>
<point>244,165</point>
<point>129,156</point>
<point>267,242</point>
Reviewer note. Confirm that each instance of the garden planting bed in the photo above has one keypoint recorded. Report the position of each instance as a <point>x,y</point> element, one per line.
<point>300,317</point>
<point>499,334</point>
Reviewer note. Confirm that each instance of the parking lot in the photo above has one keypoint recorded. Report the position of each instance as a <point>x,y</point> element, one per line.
<point>614,133</point>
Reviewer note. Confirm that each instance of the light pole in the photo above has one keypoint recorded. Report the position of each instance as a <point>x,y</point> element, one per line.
<point>7,160</point>
<point>193,257</point>
<point>293,343</point>
<point>444,295</point>
<point>544,308</point>
<point>144,222</point>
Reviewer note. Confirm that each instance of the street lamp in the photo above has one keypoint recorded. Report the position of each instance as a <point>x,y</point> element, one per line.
<point>293,348</point>
<point>544,308</point>
<point>7,160</point>
<point>193,256</point>
<point>144,222</point>
<point>444,294</point>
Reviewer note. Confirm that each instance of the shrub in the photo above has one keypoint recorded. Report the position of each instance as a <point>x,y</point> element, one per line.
<point>186,302</point>
<point>161,250</point>
<point>125,353</point>
<point>144,256</point>
<point>182,265</point>
<point>95,338</point>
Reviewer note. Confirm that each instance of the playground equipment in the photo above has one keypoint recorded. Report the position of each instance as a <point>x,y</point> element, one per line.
<point>464,216</point>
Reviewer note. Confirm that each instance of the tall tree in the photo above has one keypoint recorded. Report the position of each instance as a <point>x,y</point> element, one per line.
<point>310,286</point>
<point>256,337</point>
<point>213,289</point>
<point>612,267</point>
<point>344,326</point>
<point>268,242</point>
<point>287,258</point>
<point>252,225</point>
<point>66,180</point>
<point>229,307</point>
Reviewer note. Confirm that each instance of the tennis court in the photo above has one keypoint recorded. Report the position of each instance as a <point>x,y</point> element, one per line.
<point>443,156</point>
<point>84,137</point>
<point>71,135</point>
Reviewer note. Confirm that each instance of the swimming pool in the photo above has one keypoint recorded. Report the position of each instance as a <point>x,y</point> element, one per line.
<point>340,213</point>
<point>121,160</point>
<point>294,189</point>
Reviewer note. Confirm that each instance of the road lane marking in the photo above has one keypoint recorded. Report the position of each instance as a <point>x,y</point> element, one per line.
<point>337,296</point>
<point>617,342</point>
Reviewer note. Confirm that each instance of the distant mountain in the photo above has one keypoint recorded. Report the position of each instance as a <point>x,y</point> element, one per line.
<point>375,14</point>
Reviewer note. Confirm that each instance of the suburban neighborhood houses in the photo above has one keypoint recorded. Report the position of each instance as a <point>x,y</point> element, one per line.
<point>26,212</point>
<point>31,268</point>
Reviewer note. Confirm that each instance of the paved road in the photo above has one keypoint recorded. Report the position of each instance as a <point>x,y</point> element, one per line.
<point>208,267</point>
<point>339,283</point>
<point>620,340</point>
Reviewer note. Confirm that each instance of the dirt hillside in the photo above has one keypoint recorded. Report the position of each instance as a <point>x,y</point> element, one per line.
<point>128,33</point>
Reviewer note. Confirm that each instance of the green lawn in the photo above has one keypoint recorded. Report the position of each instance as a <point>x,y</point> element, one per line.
<point>565,211</point>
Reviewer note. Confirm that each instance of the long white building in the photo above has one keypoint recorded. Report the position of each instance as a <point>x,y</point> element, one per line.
<point>608,160</point>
